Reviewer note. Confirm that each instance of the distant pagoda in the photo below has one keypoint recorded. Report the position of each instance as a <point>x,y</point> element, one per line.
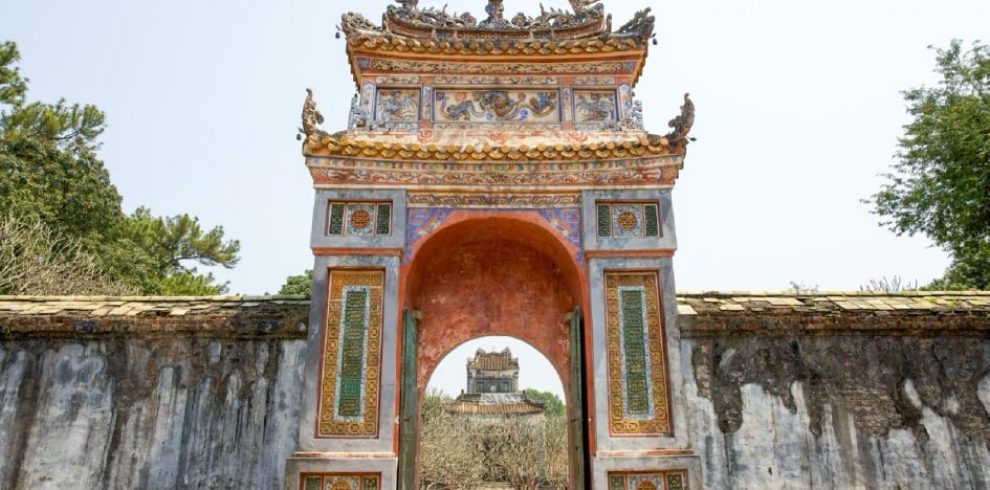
<point>493,388</point>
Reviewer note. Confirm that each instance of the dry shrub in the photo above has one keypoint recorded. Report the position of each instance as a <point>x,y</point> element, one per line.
<point>458,452</point>
<point>35,260</point>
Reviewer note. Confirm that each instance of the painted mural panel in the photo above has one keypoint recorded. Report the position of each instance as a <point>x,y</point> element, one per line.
<point>595,106</point>
<point>637,378</point>
<point>397,108</point>
<point>496,106</point>
<point>659,480</point>
<point>351,358</point>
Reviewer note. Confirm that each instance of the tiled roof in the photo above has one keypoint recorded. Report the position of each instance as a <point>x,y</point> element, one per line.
<point>493,361</point>
<point>707,303</point>
<point>505,404</point>
<point>97,306</point>
<point>519,408</point>
<point>453,146</point>
<point>91,315</point>
<point>689,303</point>
<point>956,311</point>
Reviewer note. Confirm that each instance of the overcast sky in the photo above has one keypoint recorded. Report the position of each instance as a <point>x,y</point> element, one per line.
<point>798,112</point>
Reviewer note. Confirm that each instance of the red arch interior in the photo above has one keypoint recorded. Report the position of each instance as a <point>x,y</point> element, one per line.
<point>493,276</point>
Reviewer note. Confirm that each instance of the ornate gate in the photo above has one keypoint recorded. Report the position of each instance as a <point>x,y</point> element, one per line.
<point>495,178</point>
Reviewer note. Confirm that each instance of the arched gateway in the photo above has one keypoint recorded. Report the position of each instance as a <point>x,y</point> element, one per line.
<point>495,178</point>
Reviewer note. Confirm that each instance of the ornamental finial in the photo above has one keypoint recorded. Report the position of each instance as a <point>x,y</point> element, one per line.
<point>496,14</point>
<point>311,117</point>
<point>681,125</point>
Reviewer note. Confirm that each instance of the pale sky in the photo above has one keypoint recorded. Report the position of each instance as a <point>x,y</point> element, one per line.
<point>798,112</point>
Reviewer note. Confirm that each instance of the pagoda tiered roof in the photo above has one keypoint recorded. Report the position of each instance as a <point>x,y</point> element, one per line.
<point>493,361</point>
<point>410,32</point>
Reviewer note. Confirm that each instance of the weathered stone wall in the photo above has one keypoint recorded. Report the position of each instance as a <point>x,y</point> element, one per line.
<point>205,399</point>
<point>781,392</point>
<point>827,397</point>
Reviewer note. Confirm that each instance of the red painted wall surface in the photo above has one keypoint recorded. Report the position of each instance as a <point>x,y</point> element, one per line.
<point>493,276</point>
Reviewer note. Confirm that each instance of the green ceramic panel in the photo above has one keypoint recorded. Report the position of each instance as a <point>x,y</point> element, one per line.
<point>634,352</point>
<point>312,483</point>
<point>384,219</point>
<point>370,483</point>
<point>652,220</point>
<point>604,220</point>
<point>336,226</point>
<point>616,482</point>
<point>352,353</point>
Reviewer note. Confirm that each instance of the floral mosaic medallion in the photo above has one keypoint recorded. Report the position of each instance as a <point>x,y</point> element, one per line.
<point>637,378</point>
<point>340,482</point>
<point>594,106</point>
<point>660,480</point>
<point>359,218</point>
<point>351,364</point>
<point>628,220</point>
<point>496,106</point>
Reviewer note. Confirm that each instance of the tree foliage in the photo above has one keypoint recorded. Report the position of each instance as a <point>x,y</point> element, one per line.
<point>300,284</point>
<point>940,185</point>
<point>551,402</point>
<point>52,177</point>
<point>173,243</point>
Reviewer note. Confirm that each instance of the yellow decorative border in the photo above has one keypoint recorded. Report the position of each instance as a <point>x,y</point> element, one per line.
<point>619,424</point>
<point>328,424</point>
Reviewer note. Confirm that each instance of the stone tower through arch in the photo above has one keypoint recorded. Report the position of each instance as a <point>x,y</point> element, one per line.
<point>495,179</point>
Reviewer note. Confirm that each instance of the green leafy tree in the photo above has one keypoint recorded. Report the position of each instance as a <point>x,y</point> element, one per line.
<point>175,242</point>
<point>552,404</point>
<point>940,186</point>
<point>53,177</point>
<point>300,284</point>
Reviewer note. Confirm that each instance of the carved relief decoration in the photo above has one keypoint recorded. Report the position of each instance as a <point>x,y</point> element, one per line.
<point>496,106</point>
<point>594,106</point>
<point>637,380</point>
<point>351,357</point>
<point>406,66</point>
<point>494,81</point>
<point>508,200</point>
<point>397,108</point>
<point>660,172</point>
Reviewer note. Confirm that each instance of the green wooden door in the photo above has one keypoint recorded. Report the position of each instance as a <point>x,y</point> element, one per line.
<point>408,401</point>
<point>578,449</point>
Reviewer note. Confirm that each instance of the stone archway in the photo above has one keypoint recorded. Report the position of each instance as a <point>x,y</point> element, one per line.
<point>498,275</point>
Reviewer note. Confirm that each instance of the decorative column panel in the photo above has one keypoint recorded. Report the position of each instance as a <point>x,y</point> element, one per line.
<point>638,402</point>
<point>351,357</point>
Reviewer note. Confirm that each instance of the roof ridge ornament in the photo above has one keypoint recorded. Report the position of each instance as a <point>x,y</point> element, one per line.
<point>681,125</point>
<point>311,118</point>
<point>586,20</point>
<point>496,15</point>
